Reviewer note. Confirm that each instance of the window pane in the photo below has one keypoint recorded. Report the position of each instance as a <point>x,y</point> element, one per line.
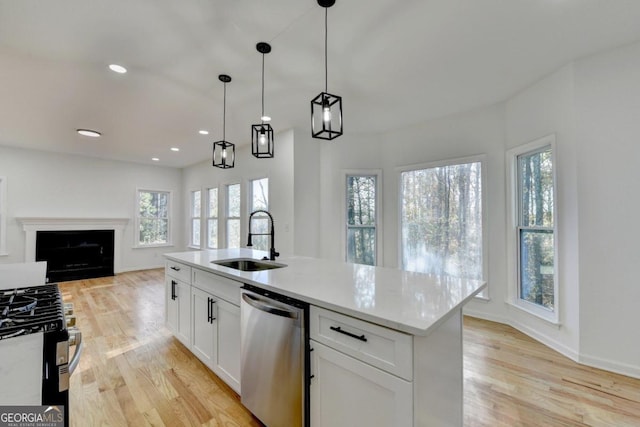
<point>195,232</point>
<point>153,231</point>
<point>195,203</point>
<point>233,233</point>
<point>260,225</point>
<point>212,241</point>
<point>536,267</point>
<point>535,175</point>
<point>233,198</point>
<point>361,245</point>
<point>442,220</point>
<point>361,200</point>
<point>260,194</point>
<point>213,203</point>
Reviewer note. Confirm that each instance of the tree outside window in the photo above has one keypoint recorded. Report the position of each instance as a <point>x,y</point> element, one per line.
<point>233,215</point>
<point>259,199</point>
<point>153,217</point>
<point>361,219</point>
<point>195,217</point>
<point>442,220</point>
<point>212,219</point>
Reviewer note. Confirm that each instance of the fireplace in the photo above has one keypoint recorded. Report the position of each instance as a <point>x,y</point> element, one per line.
<point>76,254</point>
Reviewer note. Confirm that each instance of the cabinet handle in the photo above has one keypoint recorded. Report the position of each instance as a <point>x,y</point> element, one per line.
<point>208,309</point>
<point>174,268</point>
<point>173,290</point>
<point>211,302</point>
<point>339,329</point>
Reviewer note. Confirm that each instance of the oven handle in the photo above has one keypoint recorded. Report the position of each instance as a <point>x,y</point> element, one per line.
<point>73,364</point>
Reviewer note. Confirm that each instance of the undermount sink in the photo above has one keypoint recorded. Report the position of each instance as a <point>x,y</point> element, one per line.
<point>248,264</point>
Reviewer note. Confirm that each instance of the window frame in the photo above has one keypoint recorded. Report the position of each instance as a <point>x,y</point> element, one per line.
<point>377,173</point>
<point>3,216</point>
<point>136,233</point>
<point>193,217</point>
<point>514,230</point>
<point>479,158</point>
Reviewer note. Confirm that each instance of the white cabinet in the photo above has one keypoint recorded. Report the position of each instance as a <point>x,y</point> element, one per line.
<point>348,392</point>
<point>361,373</point>
<point>178,301</point>
<point>216,327</point>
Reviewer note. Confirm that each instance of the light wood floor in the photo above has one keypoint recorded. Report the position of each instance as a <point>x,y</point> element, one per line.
<point>133,372</point>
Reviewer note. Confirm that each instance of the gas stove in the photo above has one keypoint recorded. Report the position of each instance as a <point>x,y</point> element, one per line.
<point>28,310</point>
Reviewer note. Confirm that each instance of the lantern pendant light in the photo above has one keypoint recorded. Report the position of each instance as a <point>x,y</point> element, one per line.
<point>224,152</point>
<point>262,134</point>
<point>326,109</point>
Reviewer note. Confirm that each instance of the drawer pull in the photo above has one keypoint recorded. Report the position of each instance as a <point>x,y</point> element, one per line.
<point>174,268</point>
<point>339,329</point>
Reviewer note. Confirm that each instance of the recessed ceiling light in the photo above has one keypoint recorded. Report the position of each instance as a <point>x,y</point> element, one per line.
<point>117,68</point>
<point>203,132</point>
<point>175,149</point>
<point>155,159</point>
<point>265,118</point>
<point>89,132</point>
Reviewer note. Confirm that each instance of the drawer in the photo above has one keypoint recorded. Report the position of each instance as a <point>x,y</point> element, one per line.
<point>384,348</point>
<point>178,271</point>
<point>219,286</point>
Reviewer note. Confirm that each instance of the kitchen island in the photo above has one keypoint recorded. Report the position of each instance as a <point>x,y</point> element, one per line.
<point>408,369</point>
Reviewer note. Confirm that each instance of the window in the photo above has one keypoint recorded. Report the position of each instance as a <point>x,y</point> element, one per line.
<point>3,215</point>
<point>442,220</point>
<point>153,218</point>
<point>259,200</point>
<point>212,219</point>
<point>233,216</point>
<point>361,212</point>
<point>195,218</point>
<point>534,227</point>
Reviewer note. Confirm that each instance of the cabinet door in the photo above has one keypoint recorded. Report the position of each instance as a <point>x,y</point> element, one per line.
<point>204,326</point>
<point>348,392</point>
<point>228,344</point>
<point>183,327</point>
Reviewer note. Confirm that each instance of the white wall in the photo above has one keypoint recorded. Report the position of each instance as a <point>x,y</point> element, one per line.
<point>608,134</point>
<point>278,169</point>
<point>41,184</point>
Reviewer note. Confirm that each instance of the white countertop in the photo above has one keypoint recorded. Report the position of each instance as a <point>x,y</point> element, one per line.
<point>414,303</point>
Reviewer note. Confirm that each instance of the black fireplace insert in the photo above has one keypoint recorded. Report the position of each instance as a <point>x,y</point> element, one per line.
<point>76,254</point>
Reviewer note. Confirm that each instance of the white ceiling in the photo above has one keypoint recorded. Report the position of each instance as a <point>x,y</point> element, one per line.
<point>394,62</point>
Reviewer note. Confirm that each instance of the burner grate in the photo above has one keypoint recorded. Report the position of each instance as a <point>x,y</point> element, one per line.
<point>29,310</point>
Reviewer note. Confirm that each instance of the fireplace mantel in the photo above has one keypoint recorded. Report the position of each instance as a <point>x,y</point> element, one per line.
<point>31,225</point>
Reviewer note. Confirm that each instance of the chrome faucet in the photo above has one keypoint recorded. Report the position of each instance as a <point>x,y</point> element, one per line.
<point>272,251</point>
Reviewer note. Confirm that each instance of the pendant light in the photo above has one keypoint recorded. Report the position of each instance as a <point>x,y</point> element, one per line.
<point>326,109</point>
<point>224,152</point>
<point>262,134</point>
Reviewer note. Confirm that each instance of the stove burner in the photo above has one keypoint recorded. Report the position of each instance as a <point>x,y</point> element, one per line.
<point>29,310</point>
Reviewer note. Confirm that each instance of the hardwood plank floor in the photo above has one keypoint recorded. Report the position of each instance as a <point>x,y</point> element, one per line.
<point>134,373</point>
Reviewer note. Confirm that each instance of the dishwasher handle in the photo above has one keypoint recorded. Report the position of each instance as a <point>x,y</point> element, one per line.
<point>263,305</point>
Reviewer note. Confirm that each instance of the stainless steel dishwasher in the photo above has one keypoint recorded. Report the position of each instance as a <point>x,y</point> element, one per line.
<point>275,360</point>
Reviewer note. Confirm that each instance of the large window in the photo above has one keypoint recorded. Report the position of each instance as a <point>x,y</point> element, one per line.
<point>153,218</point>
<point>442,219</point>
<point>212,219</point>
<point>259,200</point>
<point>535,227</point>
<point>233,216</point>
<point>361,204</point>
<point>195,217</point>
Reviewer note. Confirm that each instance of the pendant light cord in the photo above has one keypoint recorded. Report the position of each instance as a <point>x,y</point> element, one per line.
<point>262,115</point>
<point>224,113</point>
<point>326,68</point>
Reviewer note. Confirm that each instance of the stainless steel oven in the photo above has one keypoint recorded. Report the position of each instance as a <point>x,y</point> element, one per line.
<point>35,343</point>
